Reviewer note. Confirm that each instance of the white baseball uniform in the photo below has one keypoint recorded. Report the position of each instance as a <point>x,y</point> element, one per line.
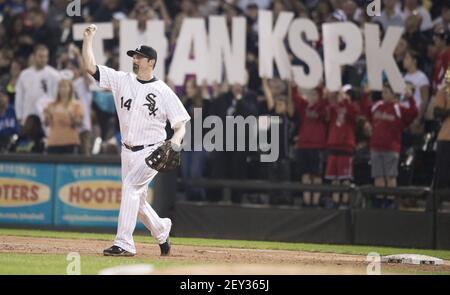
<point>33,85</point>
<point>143,108</point>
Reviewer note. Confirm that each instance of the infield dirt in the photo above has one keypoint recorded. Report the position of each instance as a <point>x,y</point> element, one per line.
<point>216,260</point>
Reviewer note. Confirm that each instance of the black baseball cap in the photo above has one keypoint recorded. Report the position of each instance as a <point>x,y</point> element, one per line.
<point>145,51</point>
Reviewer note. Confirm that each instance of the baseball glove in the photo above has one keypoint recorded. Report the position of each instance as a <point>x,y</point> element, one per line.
<point>164,158</point>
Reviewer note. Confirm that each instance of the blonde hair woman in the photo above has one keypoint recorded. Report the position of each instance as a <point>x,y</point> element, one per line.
<point>64,116</point>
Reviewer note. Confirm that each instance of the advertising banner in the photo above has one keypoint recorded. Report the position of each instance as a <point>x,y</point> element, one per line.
<point>26,193</point>
<point>89,195</point>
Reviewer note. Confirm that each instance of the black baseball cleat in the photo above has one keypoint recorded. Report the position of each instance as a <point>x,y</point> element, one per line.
<point>165,248</point>
<point>117,251</point>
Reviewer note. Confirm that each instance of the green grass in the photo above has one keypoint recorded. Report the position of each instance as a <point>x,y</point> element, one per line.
<point>57,264</point>
<point>52,264</point>
<point>323,248</point>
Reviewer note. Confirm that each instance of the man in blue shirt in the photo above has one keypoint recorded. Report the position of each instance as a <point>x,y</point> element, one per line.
<point>8,121</point>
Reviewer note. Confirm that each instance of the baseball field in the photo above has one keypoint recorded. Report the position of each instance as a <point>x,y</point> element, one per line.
<point>24,251</point>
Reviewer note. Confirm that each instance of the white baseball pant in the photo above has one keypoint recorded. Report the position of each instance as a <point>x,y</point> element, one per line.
<point>136,176</point>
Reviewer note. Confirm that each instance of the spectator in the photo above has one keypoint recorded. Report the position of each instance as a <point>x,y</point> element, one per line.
<point>208,7</point>
<point>441,57</point>
<point>322,13</point>
<point>341,143</point>
<point>420,83</point>
<point>42,32</point>
<point>300,9</point>
<point>413,7</point>
<point>66,34</point>
<point>400,52</point>
<point>81,85</point>
<point>352,11</point>
<point>238,101</point>
<point>277,7</point>
<point>442,113</point>
<point>362,152</point>
<point>31,138</point>
<point>278,104</point>
<point>35,82</point>
<point>389,119</point>
<point>441,39</point>
<point>188,9</point>
<point>390,16</point>
<point>194,161</point>
<point>64,117</point>
<point>8,122</point>
<point>19,37</point>
<point>143,12</point>
<point>106,10</point>
<point>8,81</point>
<point>415,38</point>
<point>311,108</point>
<point>5,57</point>
<point>443,20</point>
<point>261,4</point>
<point>11,81</point>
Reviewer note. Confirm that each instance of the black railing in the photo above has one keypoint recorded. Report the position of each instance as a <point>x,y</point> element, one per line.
<point>354,191</point>
<point>432,197</point>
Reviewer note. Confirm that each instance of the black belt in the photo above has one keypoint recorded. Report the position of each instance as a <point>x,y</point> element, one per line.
<point>136,148</point>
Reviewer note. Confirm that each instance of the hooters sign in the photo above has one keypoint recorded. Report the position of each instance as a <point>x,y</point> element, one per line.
<point>215,52</point>
<point>89,195</point>
<point>20,192</point>
<point>26,193</point>
<point>97,195</point>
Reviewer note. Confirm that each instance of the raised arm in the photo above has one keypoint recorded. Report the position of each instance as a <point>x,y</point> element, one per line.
<point>88,53</point>
<point>159,4</point>
<point>268,94</point>
<point>409,114</point>
<point>352,110</point>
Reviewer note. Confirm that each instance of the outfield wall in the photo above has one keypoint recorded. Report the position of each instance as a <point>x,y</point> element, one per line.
<point>82,192</point>
<point>68,192</point>
<point>356,226</point>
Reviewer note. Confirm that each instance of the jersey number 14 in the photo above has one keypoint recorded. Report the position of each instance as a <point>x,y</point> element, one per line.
<point>126,104</point>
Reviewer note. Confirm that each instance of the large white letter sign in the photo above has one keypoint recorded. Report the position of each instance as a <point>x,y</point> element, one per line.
<point>271,44</point>
<point>193,32</point>
<point>304,52</point>
<point>222,51</point>
<point>381,59</point>
<point>333,33</point>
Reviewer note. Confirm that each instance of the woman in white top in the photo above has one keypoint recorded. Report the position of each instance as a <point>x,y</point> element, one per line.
<point>420,82</point>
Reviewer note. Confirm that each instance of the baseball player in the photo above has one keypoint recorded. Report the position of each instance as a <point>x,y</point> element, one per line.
<point>143,104</point>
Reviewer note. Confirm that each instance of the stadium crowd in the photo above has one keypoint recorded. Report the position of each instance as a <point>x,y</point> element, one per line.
<point>49,104</point>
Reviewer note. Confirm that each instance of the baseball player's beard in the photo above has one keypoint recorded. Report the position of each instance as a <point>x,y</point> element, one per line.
<point>135,69</point>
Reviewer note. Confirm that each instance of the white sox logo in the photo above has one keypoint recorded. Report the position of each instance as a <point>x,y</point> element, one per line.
<point>151,104</point>
<point>44,86</point>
